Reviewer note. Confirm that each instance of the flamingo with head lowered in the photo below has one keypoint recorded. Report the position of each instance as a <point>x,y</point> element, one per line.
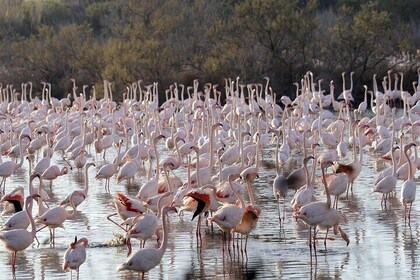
<point>75,255</point>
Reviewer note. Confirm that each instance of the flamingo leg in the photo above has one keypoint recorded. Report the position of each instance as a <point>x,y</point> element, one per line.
<point>284,209</point>
<point>325,240</point>
<point>41,228</point>
<point>278,208</point>
<point>109,219</point>
<point>409,213</point>
<point>13,261</point>
<point>314,237</point>
<point>128,244</point>
<point>246,242</point>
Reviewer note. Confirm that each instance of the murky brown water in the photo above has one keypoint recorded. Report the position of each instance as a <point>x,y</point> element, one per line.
<point>381,245</point>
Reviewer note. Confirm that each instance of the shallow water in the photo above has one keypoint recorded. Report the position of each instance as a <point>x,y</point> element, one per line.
<point>381,245</point>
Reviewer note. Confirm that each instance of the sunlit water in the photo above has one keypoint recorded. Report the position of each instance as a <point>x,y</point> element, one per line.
<point>381,246</point>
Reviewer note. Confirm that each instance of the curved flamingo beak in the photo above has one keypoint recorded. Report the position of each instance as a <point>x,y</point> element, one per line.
<point>202,201</point>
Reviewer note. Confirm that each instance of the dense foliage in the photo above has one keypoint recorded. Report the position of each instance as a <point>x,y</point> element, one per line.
<point>180,40</point>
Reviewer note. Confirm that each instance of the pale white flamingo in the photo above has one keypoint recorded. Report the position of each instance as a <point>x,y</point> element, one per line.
<point>108,170</point>
<point>19,220</point>
<point>321,214</point>
<point>354,168</point>
<point>8,167</point>
<point>229,216</point>
<point>150,189</point>
<point>79,195</point>
<point>388,183</point>
<point>408,189</point>
<point>174,161</point>
<point>252,212</point>
<point>280,185</point>
<point>19,239</point>
<point>144,226</point>
<point>55,217</point>
<point>53,172</point>
<point>147,258</point>
<point>305,194</point>
<point>80,160</point>
<point>75,255</point>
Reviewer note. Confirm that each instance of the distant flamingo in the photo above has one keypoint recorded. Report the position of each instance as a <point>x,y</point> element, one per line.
<point>8,167</point>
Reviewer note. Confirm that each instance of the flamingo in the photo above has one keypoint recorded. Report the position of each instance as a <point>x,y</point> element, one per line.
<point>408,189</point>
<point>80,160</point>
<point>8,167</point>
<point>19,220</point>
<point>126,207</point>
<point>145,225</point>
<point>252,211</point>
<point>388,183</point>
<point>147,258</point>
<point>75,255</point>
<point>79,196</point>
<point>280,185</point>
<point>229,216</point>
<point>55,217</point>
<point>150,187</point>
<point>19,239</point>
<point>321,214</point>
<point>110,169</point>
<point>305,194</point>
<point>174,161</point>
<point>15,201</point>
<point>53,172</point>
<point>354,168</point>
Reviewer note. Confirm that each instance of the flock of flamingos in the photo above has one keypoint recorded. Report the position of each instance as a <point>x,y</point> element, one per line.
<point>219,145</point>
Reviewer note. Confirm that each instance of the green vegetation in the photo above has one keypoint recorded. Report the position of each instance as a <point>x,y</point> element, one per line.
<point>180,40</point>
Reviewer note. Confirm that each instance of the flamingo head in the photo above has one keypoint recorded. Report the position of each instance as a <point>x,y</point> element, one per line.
<point>64,171</point>
<point>300,214</point>
<point>203,201</point>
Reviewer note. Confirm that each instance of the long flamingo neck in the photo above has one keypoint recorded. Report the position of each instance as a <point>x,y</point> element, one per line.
<point>410,170</point>
<point>241,200</point>
<point>167,180</point>
<point>324,180</point>
<point>74,211</point>
<point>394,164</point>
<point>164,244</point>
<point>277,155</point>
<point>31,219</point>
<point>312,181</point>
<point>198,169</point>
<point>85,191</point>
<point>305,167</point>
<point>250,192</point>
<point>21,155</point>
<point>360,147</point>
<point>157,160</point>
